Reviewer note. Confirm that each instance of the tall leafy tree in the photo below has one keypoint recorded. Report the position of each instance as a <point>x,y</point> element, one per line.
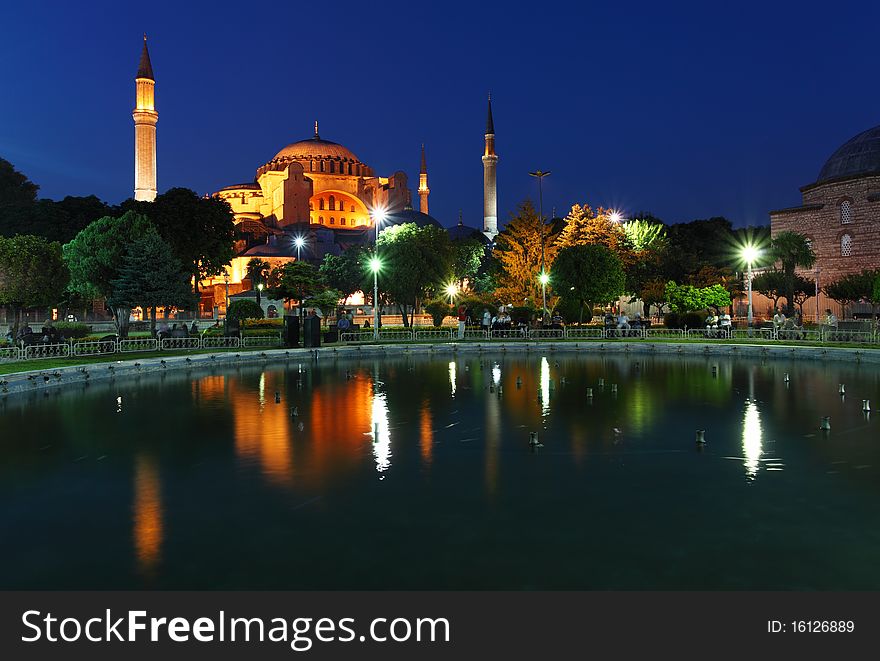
<point>792,251</point>
<point>96,256</point>
<point>297,281</point>
<point>346,272</point>
<point>583,226</point>
<point>518,252</point>
<point>855,287</point>
<point>415,261</point>
<point>589,274</point>
<point>467,258</point>
<point>32,274</point>
<point>770,283</point>
<point>200,230</point>
<point>151,277</point>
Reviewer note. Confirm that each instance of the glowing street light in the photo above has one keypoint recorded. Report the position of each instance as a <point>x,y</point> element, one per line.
<point>299,242</point>
<point>379,216</point>
<point>539,175</point>
<point>615,217</point>
<point>750,254</point>
<point>544,278</point>
<point>451,291</point>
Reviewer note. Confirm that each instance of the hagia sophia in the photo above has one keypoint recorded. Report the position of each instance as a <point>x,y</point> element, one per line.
<point>315,189</point>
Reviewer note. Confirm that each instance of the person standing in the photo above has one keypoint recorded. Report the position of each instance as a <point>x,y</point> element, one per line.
<point>487,319</point>
<point>462,321</point>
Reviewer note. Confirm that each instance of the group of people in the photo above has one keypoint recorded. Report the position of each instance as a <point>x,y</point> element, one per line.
<point>26,335</point>
<point>622,322</point>
<point>176,331</point>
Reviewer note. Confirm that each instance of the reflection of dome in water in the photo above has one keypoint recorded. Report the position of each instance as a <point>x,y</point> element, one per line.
<point>857,156</point>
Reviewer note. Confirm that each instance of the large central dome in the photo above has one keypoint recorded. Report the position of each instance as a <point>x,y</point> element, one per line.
<point>858,156</point>
<point>316,149</point>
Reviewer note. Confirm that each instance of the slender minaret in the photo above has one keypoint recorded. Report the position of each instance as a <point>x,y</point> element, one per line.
<point>145,118</point>
<point>490,161</point>
<point>424,191</point>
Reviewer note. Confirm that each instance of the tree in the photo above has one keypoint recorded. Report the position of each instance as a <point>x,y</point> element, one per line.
<point>792,251</point>
<point>439,309</point>
<point>243,309</point>
<point>326,301</point>
<point>589,274</point>
<point>518,251</point>
<point>258,273</point>
<point>32,274</point>
<point>583,226</point>
<point>151,277</point>
<point>96,255</point>
<point>467,257</point>
<point>415,261</point>
<point>653,292</point>
<point>297,281</point>
<point>200,230</point>
<point>642,236</point>
<point>770,283</point>
<point>687,298</point>
<point>855,287</point>
<point>345,272</point>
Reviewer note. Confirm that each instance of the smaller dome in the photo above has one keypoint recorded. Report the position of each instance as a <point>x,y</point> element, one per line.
<point>462,232</point>
<point>410,216</point>
<point>859,155</point>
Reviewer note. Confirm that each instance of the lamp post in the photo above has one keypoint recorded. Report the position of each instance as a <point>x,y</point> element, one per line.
<point>226,282</point>
<point>375,266</point>
<point>749,254</point>
<point>299,242</point>
<point>539,175</point>
<point>817,272</point>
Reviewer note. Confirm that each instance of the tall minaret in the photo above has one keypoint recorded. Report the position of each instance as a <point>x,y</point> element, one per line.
<point>145,118</point>
<point>490,161</point>
<point>424,191</point>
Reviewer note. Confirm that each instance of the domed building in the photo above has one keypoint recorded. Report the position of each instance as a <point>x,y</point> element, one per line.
<point>840,214</point>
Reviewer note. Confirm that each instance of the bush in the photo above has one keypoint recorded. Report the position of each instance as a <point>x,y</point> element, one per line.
<point>521,313</point>
<point>672,320</point>
<point>244,309</point>
<point>72,330</point>
<point>254,324</point>
<point>439,310</point>
<point>693,320</point>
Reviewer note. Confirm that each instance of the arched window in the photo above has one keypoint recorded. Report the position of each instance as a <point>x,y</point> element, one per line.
<point>846,213</point>
<point>321,204</point>
<point>846,245</point>
<point>311,166</point>
<point>322,166</point>
<point>332,167</point>
<point>311,206</point>
<point>349,168</point>
<point>352,208</point>
<point>332,220</point>
<point>342,221</point>
<point>332,202</point>
<point>321,219</point>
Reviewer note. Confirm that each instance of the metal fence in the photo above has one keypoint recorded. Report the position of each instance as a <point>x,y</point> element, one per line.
<point>94,348</point>
<point>262,341</point>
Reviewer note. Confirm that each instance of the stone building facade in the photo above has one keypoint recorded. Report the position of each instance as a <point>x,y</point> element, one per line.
<point>840,213</point>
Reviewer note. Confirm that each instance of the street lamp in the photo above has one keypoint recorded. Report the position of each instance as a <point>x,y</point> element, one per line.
<point>817,272</point>
<point>615,217</point>
<point>451,291</point>
<point>299,242</point>
<point>539,175</point>
<point>749,255</point>
<point>375,266</point>
<point>226,282</point>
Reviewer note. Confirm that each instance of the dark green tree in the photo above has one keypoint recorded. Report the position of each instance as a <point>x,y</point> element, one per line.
<point>258,273</point>
<point>243,309</point>
<point>150,277</point>
<point>346,272</point>
<point>770,283</point>
<point>415,262</point>
<point>855,287</point>
<point>297,281</point>
<point>588,274</point>
<point>32,274</point>
<point>96,255</point>
<point>200,230</point>
<point>467,259</point>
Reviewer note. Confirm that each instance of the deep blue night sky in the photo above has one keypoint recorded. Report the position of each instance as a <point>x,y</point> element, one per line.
<point>686,110</point>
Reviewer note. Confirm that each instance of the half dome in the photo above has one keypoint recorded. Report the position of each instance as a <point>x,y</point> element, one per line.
<point>859,155</point>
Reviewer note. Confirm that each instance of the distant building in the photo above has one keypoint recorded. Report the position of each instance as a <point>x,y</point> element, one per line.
<point>840,214</point>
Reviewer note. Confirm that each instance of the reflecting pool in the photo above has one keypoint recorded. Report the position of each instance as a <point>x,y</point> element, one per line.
<point>416,473</point>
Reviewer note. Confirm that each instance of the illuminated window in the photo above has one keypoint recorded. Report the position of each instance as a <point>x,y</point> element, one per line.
<point>332,221</point>
<point>332,167</point>
<point>342,221</point>
<point>846,245</point>
<point>332,199</point>
<point>322,166</point>
<point>311,166</point>
<point>321,219</point>
<point>846,214</point>
<point>321,204</point>
<point>352,208</point>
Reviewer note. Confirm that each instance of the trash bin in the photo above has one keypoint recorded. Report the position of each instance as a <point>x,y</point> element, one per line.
<point>312,332</point>
<point>291,331</point>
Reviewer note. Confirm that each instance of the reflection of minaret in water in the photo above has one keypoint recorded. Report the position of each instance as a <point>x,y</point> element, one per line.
<point>145,118</point>
<point>424,191</point>
<point>490,162</point>
<point>147,528</point>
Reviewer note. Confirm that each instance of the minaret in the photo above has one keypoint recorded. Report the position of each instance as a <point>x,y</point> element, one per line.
<point>424,191</point>
<point>490,161</point>
<point>145,118</point>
